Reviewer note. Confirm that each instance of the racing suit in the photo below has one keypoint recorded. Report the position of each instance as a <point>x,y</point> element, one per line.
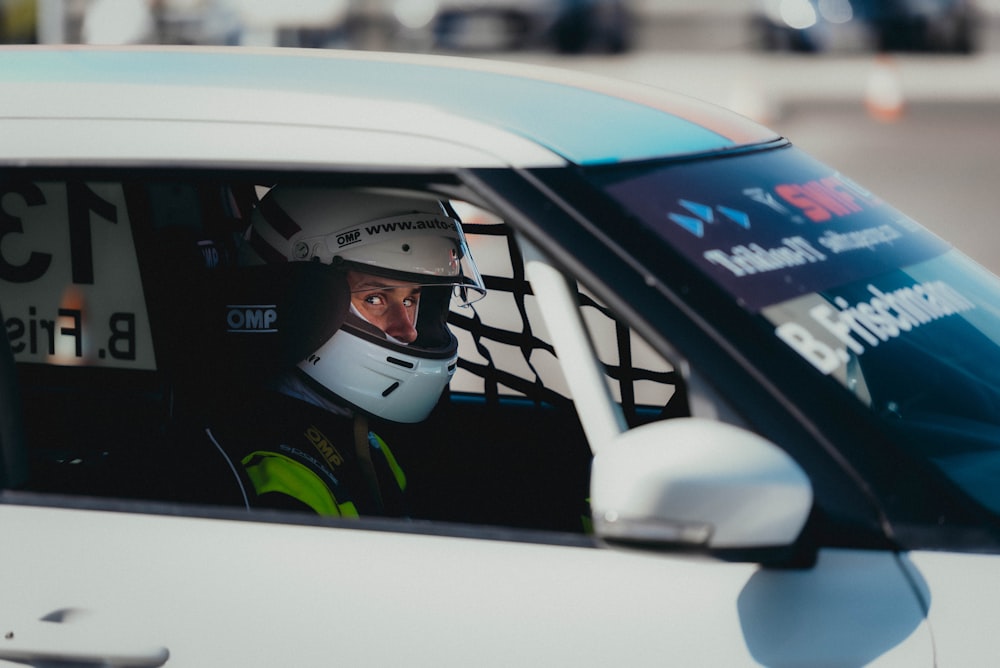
<point>289,453</point>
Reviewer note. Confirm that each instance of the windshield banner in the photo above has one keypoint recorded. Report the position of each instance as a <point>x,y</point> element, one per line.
<point>775,225</point>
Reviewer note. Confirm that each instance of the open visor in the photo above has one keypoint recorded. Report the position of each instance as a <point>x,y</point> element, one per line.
<point>422,248</point>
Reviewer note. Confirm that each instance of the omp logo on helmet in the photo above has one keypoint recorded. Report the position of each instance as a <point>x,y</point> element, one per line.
<point>348,238</point>
<point>252,318</point>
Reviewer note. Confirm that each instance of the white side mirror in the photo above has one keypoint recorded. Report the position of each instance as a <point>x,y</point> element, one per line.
<point>692,482</point>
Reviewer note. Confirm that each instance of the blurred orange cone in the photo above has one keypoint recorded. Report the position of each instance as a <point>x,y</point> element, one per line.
<point>884,97</point>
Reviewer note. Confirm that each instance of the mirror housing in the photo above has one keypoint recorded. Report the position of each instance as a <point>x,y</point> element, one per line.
<point>697,483</point>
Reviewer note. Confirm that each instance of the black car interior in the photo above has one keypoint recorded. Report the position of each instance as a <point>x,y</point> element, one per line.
<point>512,455</point>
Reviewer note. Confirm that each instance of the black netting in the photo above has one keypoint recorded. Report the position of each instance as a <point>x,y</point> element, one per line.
<point>626,373</point>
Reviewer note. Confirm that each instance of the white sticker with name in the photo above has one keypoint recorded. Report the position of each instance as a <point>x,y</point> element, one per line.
<point>70,289</point>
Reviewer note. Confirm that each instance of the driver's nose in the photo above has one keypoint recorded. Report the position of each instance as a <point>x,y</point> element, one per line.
<point>399,323</point>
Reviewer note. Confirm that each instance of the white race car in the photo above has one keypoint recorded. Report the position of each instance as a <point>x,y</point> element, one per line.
<point>720,406</point>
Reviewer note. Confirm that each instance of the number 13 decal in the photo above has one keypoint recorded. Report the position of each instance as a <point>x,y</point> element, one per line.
<point>81,202</point>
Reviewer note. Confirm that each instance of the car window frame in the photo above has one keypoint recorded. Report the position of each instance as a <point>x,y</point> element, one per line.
<point>534,203</point>
<point>141,381</point>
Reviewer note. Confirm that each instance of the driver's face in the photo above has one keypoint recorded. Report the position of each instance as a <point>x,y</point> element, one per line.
<point>388,304</point>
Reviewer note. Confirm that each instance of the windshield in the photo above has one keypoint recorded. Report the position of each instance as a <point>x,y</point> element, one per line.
<point>855,288</point>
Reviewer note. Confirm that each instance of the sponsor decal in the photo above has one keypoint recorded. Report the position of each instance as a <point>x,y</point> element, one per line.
<point>325,447</point>
<point>251,318</point>
<point>762,196</point>
<point>836,329</point>
<point>703,213</point>
<point>745,260</point>
<point>866,239</point>
<point>348,238</point>
<point>433,223</point>
<point>769,244</point>
<point>303,456</point>
<point>70,287</point>
<point>366,232</point>
<point>210,254</point>
<point>59,339</point>
<point>824,199</point>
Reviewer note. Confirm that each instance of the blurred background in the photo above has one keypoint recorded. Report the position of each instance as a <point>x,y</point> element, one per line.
<point>903,96</point>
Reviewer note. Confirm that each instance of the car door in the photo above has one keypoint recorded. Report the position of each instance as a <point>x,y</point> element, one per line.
<point>96,572</point>
<point>136,586</point>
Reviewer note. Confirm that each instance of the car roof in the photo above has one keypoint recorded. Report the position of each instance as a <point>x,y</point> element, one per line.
<point>239,106</point>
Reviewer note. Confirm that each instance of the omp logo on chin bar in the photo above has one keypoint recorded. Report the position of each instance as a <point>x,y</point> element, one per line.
<point>251,318</point>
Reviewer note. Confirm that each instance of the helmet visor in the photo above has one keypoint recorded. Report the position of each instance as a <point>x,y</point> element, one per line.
<point>421,248</point>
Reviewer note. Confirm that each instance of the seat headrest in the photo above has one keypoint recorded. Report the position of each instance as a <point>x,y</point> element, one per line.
<point>222,324</point>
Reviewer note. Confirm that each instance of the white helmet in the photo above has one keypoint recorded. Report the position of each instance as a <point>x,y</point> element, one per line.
<point>389,233</point>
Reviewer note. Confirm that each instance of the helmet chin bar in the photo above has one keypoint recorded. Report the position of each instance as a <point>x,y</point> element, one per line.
<point>387,381</point>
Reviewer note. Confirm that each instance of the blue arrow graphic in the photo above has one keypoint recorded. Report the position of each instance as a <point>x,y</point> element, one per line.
<point>702,211</point>
<point>738,217</point>
<point>690,224</point>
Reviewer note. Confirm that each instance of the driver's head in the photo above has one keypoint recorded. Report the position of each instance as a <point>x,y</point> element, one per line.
<point>403,257</point>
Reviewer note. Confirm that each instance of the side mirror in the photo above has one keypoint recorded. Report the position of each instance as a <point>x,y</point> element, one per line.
<point>696,483</point>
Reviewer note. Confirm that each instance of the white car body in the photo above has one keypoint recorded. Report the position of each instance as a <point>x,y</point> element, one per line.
<point>143,583</point>
<point>666,577</point>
